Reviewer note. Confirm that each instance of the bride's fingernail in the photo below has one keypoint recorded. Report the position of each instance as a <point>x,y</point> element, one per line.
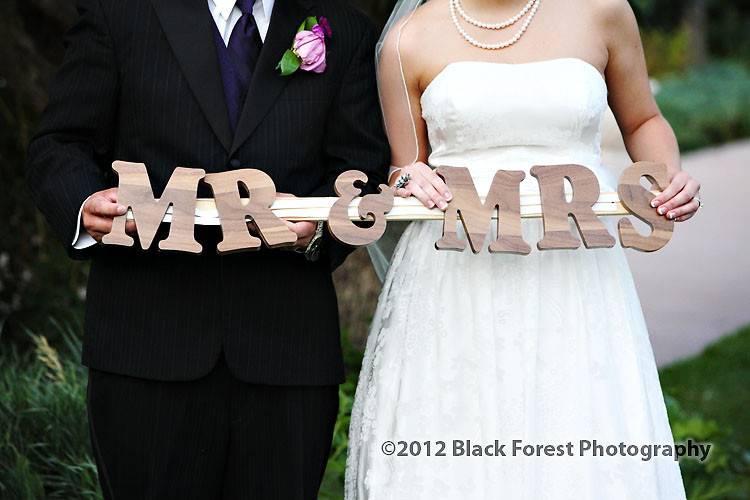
<point>662,210</point>
<point>670,216</point>
<point>448,196</point>
<point>654,203</point>
<point>443,205</point>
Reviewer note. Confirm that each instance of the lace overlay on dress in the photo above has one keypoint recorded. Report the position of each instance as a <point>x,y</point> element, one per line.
<point>546,348</point>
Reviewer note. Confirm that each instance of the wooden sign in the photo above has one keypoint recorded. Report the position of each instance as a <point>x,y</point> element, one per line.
<point>504,196</point>
<point>359,221</point>
<point>638,202</point>
<point>557,209</point>
<point>234,211</point>
<point>373,206</point>
<point>135,192</point>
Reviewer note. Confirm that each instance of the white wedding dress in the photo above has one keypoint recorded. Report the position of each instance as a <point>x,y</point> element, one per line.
<point>546,348</point>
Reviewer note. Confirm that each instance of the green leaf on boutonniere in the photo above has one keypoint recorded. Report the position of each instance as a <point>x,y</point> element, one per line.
<point>308,23</point>
<point>290,62</point>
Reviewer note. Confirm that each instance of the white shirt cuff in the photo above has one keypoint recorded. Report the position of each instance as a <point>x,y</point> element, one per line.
<point>85,240</point>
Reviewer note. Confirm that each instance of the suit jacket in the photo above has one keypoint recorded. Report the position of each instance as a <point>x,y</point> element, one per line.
<point>141,82</point>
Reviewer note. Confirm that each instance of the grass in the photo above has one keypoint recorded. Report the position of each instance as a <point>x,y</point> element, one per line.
<point>716,384</point>
<point>709,397</point>
<point>44,450</point>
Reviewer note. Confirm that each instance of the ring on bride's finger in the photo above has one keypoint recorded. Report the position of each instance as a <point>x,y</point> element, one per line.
<point>403,181</point>
<point>699,200</point>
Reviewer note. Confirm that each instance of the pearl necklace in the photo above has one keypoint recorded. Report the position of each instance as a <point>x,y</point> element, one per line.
<point>454,4</point>
<point>493,26</point>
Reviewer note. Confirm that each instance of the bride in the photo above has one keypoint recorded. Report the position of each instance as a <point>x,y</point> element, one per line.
<point>545,349</point>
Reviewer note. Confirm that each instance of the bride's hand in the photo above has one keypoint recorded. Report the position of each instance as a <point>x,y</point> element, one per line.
<point>680,200</point>
<point>424,184</point>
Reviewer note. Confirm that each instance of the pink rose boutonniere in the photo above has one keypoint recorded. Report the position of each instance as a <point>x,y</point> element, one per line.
<point>308,51</point>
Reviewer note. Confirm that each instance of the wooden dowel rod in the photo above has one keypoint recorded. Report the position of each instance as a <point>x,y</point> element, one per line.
<point>404,209</point>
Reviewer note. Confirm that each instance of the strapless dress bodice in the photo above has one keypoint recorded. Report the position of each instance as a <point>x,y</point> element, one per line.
<point>489,116</point>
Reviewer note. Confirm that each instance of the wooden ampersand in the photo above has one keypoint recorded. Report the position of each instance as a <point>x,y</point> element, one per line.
<point>556,208</point>
<point>134,191</point>
<point>637,200</point>
<point>232,211</point>
<point>372,207</point>
<point>504,195</point>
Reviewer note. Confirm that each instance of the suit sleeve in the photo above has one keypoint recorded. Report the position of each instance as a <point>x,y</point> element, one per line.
<point>71,151</point>
<point>355,139</point>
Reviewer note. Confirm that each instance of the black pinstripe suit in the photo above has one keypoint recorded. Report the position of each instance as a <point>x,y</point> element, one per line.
<point>140,82</point>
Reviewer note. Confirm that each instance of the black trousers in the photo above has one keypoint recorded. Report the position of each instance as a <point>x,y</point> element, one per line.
<point>212,438</point>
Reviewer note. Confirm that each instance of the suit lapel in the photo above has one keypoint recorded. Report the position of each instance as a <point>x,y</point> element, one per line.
<point>267,83</point>
<point>188,27</point>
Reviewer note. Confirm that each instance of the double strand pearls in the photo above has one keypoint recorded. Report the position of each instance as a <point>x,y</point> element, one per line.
<point>493,26</point>
<point>531,8</point>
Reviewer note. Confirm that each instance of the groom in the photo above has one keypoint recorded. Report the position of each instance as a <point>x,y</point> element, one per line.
<point>210,376</point>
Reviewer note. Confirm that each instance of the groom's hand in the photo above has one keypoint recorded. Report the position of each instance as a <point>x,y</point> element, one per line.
<point>98,212</point>
<point>305,230</point>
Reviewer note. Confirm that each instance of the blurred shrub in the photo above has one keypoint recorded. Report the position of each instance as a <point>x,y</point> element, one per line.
<point>726,31</point>
<point>726,473</point>
<point>666,51</point>
<point>707,105</point>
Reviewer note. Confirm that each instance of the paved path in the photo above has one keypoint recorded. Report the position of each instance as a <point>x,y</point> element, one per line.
<point>697,288</point>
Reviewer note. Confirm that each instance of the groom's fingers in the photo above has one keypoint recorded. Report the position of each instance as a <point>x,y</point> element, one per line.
<point>304,231</point>
<point>98,226</point>
<point>102,207</point>
<point>110,194</point>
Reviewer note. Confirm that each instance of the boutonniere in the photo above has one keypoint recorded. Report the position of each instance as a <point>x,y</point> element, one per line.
<point>308,51</point>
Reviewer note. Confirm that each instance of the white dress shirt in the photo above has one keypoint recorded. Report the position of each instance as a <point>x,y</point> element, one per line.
<point>225,14</point>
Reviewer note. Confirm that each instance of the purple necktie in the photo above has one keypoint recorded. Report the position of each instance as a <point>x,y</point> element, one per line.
<point>242,54</point>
